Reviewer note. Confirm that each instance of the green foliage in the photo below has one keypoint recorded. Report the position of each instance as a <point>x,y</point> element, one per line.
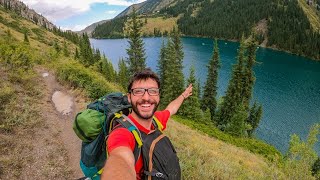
<point>316,168</point>
<point>234,115</point>
<point>210,87</point>
<point>191,106</point>
<point>26,39</point>
<point>56,47</point>
<point>237,125</point>
<point>40,33</point>
<point>301,155</point>
<point>71,36</point>
<point>253,145</point>
<point>16,55</point>
<point>136,52</point>
<point>288,27</point>
<point>6,93</point>
<point>254,118</point>
<point>80,77</point>
<point>76,54</point>
<point>86,53</point>
<point>110,29</point>
<point>170,69</point>
<point>65,49</point>
<point>232,99</point>
<point>105,67</point>
<point>248,75</point>
<point>123,74</point>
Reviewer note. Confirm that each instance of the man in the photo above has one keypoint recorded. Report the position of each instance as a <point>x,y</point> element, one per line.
<point>143,94</point>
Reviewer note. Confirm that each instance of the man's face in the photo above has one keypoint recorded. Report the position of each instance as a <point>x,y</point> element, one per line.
<point>144,106</point>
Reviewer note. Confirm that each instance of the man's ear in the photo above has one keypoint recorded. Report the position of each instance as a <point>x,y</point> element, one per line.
<point>129,97</point>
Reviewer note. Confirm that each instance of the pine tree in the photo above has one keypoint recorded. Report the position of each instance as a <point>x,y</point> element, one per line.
<point>210,89</point>
<point>136,61</point>
<point>162,63</point>
<point>56,47</point>
<point>191,106</point>
<point>237,123</point>
<point>168,74</point>
<point>86,55</point>
<point>26,39</point>
<point>172,74</point>
<point>76,55</point>
<point>232,99</point>
<point>123,74</point>
<point>97,55</point>
<point>254,117</point>
<point>316,168</point>
<point>177,64</point>
<point>175,34</point>
<point>65,49</point>
<point>248,75</point>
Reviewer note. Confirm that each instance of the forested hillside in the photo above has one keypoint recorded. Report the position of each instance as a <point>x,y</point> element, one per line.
<point>285,25</point>
<point>26,47</point>
<point>288,27</point>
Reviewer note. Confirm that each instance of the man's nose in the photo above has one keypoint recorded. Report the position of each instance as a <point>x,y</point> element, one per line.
<point>146,95</point>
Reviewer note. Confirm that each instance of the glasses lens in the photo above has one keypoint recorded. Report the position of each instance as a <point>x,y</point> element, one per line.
<point>153,91</point>
<point>141,91</point>
<point>138,91</point>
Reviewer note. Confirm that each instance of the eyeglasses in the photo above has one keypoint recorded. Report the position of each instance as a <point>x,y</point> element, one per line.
<point>141,91</point>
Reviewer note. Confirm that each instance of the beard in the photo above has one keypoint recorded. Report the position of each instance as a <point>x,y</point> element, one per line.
<point>144,116</point>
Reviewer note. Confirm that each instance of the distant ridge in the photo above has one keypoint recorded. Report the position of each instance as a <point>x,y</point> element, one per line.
<point>90,29</point>
<point>23,10</point>
<point>146,7</point>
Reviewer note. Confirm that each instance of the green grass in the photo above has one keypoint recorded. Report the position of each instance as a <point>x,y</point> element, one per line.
<point>253,145</point>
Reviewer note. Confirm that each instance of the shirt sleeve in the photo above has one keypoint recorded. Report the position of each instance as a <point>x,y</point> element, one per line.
<point>120,137</point>
<point>163,117</point>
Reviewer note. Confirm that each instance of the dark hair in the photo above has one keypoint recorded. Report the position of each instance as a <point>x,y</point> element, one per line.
<point>144,75</point>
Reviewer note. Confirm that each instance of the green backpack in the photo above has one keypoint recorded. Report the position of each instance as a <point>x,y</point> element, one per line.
<point>94,124</point>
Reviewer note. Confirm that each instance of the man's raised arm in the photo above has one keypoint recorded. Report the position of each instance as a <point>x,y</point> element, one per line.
<point>174,105</point>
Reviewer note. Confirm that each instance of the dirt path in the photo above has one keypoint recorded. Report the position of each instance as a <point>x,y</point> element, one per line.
<point>59,109</point>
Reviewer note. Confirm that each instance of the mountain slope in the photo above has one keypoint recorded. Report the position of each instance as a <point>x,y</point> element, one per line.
<point>146,7</point>
<point>91,28</point>
<point>287,25</point>
<point>21,9</point>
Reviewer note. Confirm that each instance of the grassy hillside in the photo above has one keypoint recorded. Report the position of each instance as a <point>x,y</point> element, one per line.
<point>312,14</point>
<point>157,25</point>
<point>201,155</point>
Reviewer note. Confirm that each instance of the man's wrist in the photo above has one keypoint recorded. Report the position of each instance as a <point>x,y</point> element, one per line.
<point>183,96</point>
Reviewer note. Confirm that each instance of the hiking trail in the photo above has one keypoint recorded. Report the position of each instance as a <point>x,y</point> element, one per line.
<point>60,106</point>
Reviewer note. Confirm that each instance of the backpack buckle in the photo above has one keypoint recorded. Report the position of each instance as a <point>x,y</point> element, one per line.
<point>159,174</point>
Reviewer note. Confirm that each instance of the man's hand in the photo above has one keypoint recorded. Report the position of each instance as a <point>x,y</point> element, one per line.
<point>187,92</point>
<point>120,165</point>
<point>174,105</point>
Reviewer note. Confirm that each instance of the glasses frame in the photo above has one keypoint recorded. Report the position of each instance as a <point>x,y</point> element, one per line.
<point>145,90</point>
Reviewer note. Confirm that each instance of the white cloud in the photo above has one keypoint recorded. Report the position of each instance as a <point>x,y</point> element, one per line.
<point>61,9</point>
<point>111,12</point>
<point>75,27</point>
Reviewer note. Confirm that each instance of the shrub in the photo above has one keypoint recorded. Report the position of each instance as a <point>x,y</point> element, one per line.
<point>78,76</point>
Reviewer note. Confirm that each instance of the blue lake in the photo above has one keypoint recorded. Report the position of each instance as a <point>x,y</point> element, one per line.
<point>287,86</point>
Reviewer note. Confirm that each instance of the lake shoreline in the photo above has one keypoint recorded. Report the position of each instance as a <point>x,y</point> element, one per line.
<point>222,39</point>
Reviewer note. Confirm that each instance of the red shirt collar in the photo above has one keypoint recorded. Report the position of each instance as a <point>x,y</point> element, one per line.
<point>139,126</point>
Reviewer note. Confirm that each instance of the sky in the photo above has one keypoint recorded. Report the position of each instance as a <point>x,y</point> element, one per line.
<point>76,15</point>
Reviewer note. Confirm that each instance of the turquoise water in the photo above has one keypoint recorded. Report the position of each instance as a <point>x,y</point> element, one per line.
<point>287,86</point>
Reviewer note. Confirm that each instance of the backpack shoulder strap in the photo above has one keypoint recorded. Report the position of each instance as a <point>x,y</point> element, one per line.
<point>157,123</point>
<point>128,124</point>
